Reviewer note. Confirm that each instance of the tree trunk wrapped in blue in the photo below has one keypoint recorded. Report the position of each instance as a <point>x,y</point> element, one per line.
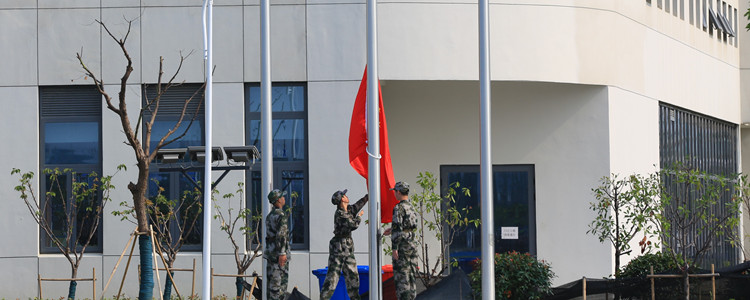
<point>147,271</point>
<point>239,282</point>
<point>72,290</point>
<point>168,286</point>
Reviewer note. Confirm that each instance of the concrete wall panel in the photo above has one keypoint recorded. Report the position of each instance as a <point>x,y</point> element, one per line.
<point>336,36</point>
<point>20,107</point>
<point>18,43</point>
<point>23,283</point>
<point>63,33</point>
<point>171,32</point>
<point>288,43</point>
<point>57,266</point>
<point>113,59</point>
<point>68,3</point>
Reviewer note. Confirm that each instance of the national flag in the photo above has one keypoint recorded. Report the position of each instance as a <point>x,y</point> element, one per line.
<point>358,156</point>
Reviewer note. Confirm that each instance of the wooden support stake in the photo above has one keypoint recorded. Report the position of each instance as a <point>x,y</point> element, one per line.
<point>93,282</point>
<point>584,288</point>
<point>653,292</point>
<point>252,288</point>
<point>127,266</point>
<point>212,282</point>
<point>156,264</point>
<point>713,283</point>
<point>169,272</point>
<point>116,265</point>
<point>192,288</point>
<point>39,278</point>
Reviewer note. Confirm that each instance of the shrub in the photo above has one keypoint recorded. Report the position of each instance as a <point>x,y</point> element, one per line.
<point>641,265</point>
<point>517,276</point>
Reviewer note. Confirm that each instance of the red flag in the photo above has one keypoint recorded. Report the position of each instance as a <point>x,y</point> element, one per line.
<point>358,156</point>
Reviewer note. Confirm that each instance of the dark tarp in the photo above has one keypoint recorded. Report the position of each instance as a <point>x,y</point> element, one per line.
<point>296,295</point>
<point>258,291</point>
<point>733,283</point>
<point>455,286</point>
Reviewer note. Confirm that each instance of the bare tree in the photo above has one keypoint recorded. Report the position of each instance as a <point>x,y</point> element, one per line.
<point>144,154</point>
<point>173,222</point>
<point>248,223</point>
<point>81,210</point>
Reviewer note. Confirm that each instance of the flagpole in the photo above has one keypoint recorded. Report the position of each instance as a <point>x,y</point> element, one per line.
<point>488,236</point>
<point>374,146</point>
<point>265,124</point>
<point>208,56</point>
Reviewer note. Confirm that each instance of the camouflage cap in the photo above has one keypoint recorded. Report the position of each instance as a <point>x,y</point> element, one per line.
<point>402,187</point>
<point>274,195</point>
<point>337,196</point>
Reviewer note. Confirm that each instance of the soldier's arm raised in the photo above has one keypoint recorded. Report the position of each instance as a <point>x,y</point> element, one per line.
<point>360,203</point>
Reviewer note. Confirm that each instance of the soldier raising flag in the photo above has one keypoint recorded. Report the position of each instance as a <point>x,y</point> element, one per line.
<point>341,248</point>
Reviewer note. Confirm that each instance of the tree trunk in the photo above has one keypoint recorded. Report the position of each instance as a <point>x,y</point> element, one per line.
<point>168,285</point>
<point>146,290</point>
<point>72,290</point>
<point>238,282</point>
<point>72,285</point>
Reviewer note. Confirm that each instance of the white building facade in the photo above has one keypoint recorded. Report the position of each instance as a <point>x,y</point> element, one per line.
<point>580,89</point>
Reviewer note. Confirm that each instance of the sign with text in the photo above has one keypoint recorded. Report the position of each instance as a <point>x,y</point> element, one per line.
<point>509,233</point>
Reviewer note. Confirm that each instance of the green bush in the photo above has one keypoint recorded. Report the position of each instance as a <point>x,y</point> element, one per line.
<point>641,265</point>
<point>517,276</point>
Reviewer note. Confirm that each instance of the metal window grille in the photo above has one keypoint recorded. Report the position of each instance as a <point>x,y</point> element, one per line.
<point>705,144</point>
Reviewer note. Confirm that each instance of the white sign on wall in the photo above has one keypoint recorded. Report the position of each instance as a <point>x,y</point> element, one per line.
<point>509,233</point>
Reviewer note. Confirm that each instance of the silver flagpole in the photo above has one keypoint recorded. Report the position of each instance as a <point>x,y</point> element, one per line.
<point>374,148</point>
<point>208,56</point>
<point>265,123</point>
<point>488,236</point>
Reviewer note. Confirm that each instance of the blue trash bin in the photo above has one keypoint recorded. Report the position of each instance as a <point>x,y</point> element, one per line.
<point>465,259</point>
<point>340,292</point>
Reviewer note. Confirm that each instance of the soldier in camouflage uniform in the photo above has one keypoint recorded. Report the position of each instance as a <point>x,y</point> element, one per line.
<point>341,248</point>
<point>277,246</point>
<point>404,243</point>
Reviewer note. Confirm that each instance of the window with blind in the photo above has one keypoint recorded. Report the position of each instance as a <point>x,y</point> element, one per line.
<point>70,120</point>
<point>174,185</point>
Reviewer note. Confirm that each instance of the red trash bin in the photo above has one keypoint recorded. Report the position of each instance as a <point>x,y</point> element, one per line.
<point>387,272</point>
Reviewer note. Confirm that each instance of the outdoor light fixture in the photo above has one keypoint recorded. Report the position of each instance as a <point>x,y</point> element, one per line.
<point>242,153</point>
<point>246,154</point>
<point>170,156</point>
<point>198,153</point>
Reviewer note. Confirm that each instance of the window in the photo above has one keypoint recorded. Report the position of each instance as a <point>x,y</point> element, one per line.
<point>289,130</point>
<point>70,132</point>
<point>704,143</point>
<point>514,207</point>
<point>174,184</point>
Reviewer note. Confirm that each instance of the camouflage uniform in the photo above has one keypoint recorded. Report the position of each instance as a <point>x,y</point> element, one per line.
<point>403,240</point>
<point>277,243</point>
<point>341,249</point>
